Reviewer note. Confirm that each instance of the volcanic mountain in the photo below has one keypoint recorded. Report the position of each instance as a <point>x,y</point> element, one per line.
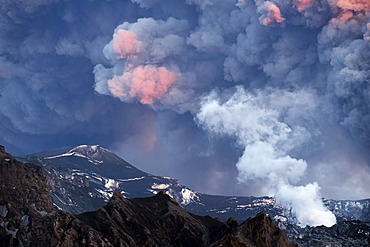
<point>28,218</point>
<point>83,178</point>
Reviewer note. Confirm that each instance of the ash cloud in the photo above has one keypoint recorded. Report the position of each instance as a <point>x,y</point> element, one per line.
<point>141,55</point>
<point>298,50</point>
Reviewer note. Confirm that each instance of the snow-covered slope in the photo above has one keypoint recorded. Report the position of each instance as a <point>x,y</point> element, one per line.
<point>84,178</point>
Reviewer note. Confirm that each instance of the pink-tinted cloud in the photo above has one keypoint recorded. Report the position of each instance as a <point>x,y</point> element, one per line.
<point>350,9</point>
<point>125,43</point>
<point>342,17</point>
<point>302,4</point>
<point>355,5</point>
<point>273,14</point>
<point>145,83</point>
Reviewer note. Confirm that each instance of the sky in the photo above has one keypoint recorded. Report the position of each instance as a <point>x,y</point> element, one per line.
<point>232,97</point>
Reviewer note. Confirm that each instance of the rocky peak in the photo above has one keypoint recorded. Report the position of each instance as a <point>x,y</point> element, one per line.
<point>162,196</point>
<point>259,231</point>
<point>117,199</point>
<point>264,232</point>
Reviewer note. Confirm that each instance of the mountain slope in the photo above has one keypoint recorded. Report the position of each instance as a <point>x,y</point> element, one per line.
<point>84,177</point>
<point>27,218</point>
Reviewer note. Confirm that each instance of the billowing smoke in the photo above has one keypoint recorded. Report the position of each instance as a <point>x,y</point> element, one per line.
<point>256,121</point>
<point>273,13</point>
<point>147,83</point>
<point>140,53</point>
<point>296,66</point>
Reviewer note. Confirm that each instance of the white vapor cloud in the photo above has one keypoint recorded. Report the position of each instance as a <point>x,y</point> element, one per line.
<point>256,122</point>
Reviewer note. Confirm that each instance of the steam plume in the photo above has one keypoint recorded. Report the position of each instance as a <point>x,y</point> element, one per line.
<point>267,142</point>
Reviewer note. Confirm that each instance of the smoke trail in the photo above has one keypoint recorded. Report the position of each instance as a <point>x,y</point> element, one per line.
<point>267,142</point>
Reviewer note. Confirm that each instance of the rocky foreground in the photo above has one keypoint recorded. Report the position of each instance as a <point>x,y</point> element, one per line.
<point>28,218</point>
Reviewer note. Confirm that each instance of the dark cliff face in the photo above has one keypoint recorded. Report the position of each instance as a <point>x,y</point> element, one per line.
<point>155,221</point>
<point>257,231</point>
<point>24,198</point>
<point>28,218</point>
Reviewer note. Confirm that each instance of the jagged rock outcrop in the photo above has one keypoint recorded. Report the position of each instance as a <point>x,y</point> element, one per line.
<point>28,218</point>
<point>155,221</point>
<point>257,231</point>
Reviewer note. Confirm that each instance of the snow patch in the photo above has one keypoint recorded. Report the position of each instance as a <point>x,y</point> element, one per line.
<point>131,179</point>
<point>92,153</point>
<point>160,186</point>
<point>188,196</point>
<point>280,218</point>
<point>105,194</point>
<point>111,183</point>
<point>57,205</point>
<point>95,162</point>
<point>152,191</point>
<point>58,156</point>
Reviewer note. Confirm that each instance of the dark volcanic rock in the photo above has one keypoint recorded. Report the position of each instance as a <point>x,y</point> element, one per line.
<point>27,215</point>
<point>259,231</point>
<point>27,218</point>
<point>155,221</point>
<point>344,233</point>
<point>24,197</point>
<point>160,221</point>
